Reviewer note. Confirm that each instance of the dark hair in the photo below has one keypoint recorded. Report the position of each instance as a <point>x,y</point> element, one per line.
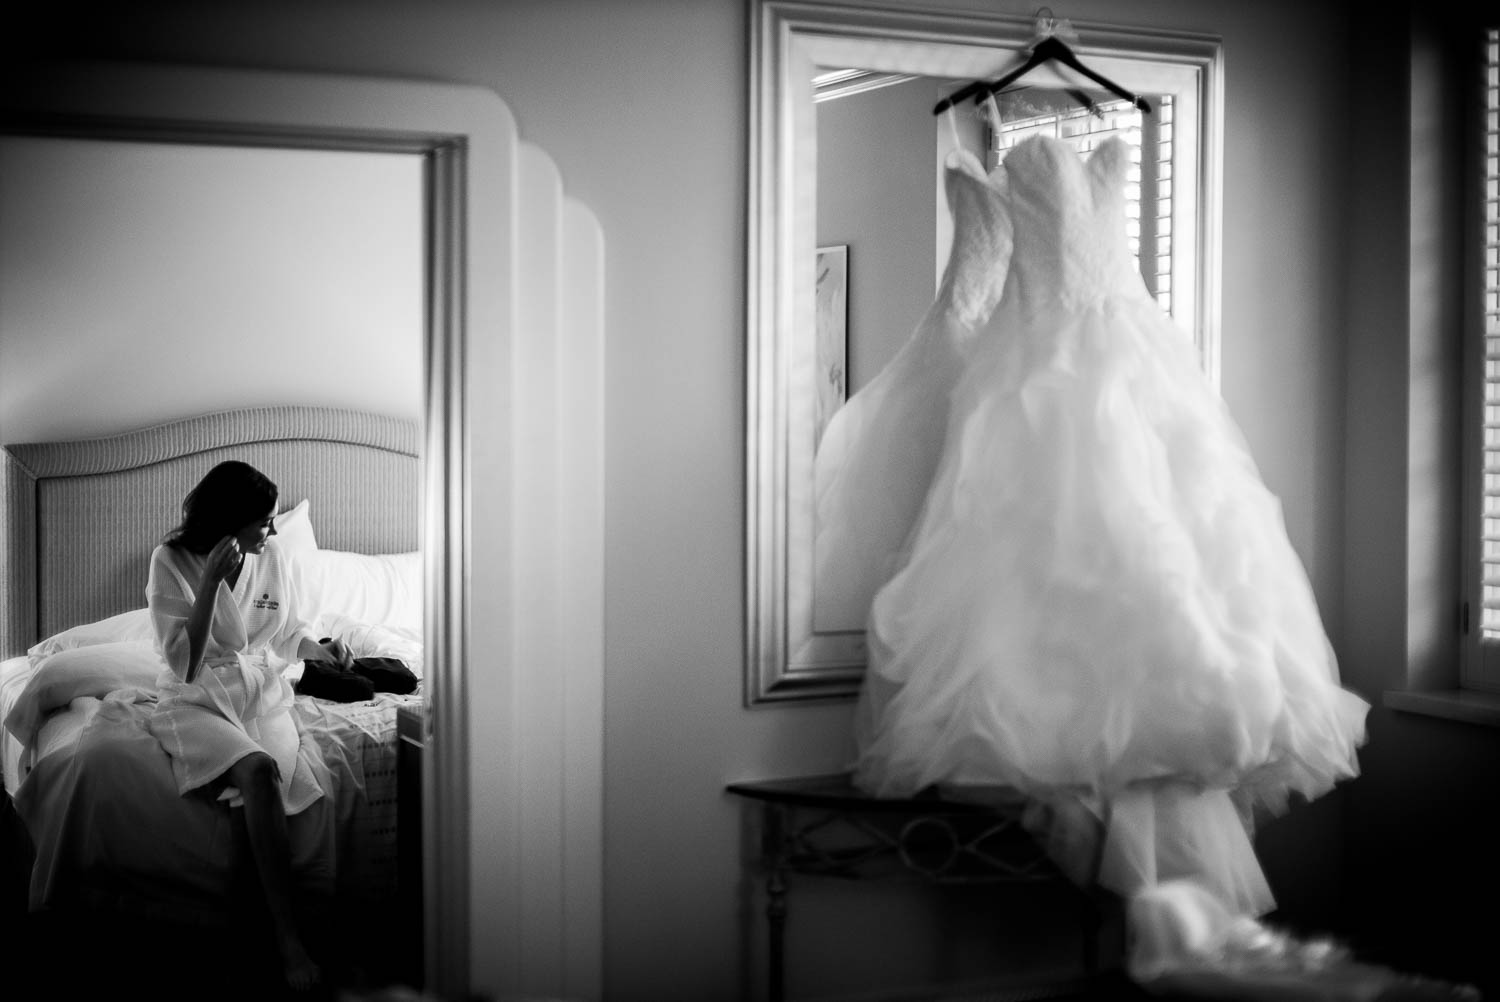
<point>228,498</point>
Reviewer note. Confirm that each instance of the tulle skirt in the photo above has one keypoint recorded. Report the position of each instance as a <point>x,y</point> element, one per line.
<point>874,467</point>
<point>1099,604</point>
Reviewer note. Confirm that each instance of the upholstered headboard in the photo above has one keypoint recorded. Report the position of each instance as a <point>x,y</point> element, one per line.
<point>78,520</point>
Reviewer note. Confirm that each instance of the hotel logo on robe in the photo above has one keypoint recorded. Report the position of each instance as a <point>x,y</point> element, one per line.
<point>267,602</point>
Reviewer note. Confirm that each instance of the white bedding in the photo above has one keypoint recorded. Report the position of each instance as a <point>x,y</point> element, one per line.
<point>359,745</point>
<point>14,674</point>
<point>61,730</point>
<point>368,718</point>
<point>127,784</point>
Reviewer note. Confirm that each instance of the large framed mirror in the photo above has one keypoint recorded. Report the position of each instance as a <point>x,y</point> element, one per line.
<point>848,235</point>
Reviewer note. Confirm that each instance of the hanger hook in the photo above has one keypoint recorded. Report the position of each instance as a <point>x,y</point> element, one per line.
<point>1049,25</point>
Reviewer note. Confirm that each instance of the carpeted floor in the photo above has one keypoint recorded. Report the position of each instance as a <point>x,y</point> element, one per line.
<point>97,956</point>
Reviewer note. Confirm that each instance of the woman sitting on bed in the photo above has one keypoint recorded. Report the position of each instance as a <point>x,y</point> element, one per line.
<point>224,611</point>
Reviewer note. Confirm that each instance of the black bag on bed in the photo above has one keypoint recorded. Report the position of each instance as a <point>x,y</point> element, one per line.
<point>326,680</point>
<point>387,674</point>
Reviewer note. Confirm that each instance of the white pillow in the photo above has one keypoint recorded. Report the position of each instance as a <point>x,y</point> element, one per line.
<point>384,589</point>
<point>294,529</point>
<point>96,670</point>
<point>127,626</point>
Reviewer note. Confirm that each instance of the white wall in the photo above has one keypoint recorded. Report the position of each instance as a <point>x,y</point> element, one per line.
<point>875,153</point>
<point>141,282</point>
<point>642,105</point>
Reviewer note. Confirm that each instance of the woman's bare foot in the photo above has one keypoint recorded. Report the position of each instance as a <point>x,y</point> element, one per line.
<point>301,973</point>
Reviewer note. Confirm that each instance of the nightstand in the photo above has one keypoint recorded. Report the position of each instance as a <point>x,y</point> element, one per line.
<point>411,738</point>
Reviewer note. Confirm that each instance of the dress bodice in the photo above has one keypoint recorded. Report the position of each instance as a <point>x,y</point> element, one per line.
<point>980,255</point>
<point>1068,217</point>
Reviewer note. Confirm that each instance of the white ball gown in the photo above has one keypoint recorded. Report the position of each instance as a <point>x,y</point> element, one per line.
<point>878,453</point>
<point>1098,603</point>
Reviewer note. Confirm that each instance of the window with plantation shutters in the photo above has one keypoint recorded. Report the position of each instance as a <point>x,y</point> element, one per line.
<point>1484,670</point>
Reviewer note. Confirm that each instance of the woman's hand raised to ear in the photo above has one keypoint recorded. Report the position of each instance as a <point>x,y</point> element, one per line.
<point>223,559</point>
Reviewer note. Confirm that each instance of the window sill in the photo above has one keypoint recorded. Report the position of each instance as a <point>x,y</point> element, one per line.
<point>1468,706</point>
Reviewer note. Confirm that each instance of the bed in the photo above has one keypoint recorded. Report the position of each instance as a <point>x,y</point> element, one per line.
<point>104,827</point>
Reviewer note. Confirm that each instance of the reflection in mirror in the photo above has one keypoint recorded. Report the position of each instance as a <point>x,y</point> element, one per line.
<point>876,144</point>
<point>849,167</point>
<point>146,281</point>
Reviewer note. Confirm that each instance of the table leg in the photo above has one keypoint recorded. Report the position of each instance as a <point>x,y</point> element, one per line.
<point>776,916</point>
<point>776,904</point>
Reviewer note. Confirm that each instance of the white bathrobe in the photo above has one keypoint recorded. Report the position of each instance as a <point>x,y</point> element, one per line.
<point>239,703</point>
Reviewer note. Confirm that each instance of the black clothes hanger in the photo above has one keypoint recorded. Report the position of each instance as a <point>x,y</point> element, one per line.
<point>1048,48</point>
<point>1084,101</point>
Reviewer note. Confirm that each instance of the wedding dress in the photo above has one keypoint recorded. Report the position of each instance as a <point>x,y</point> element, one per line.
<point>877,455</point>
<point>1098,603</point>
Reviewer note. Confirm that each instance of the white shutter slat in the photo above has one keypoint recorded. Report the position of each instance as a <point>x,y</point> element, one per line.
<point>1489,542</point>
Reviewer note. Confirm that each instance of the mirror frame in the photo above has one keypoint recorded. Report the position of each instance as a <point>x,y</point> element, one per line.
<point>783,662</point>
<point>228,108</point>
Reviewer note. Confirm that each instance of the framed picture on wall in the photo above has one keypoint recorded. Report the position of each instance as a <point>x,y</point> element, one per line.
<point>832,350</point>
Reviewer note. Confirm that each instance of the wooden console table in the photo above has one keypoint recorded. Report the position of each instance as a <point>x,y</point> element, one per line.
<point>824,825</point>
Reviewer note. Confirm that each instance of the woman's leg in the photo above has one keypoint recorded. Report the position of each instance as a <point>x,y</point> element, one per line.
<point>265,822</point>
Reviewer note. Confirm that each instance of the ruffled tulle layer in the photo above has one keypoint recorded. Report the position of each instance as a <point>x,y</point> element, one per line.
<point>1185,944</point>
<point>1100,590</point>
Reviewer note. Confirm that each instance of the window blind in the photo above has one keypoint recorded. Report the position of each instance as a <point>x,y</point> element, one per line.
<point>1490,615</point>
